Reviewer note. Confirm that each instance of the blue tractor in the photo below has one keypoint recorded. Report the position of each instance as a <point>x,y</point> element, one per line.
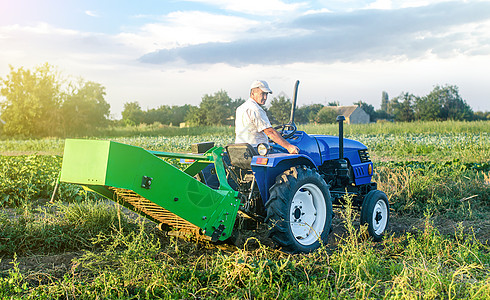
<point>292,193</point>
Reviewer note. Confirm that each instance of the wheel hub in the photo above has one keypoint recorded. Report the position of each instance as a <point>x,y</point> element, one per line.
<point>380,214</point>
<point>305,225</point>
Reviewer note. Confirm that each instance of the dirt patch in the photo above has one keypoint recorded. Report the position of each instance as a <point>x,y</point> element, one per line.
<point>40,269</point>
<point>400,225</point>
<point>36,263</point>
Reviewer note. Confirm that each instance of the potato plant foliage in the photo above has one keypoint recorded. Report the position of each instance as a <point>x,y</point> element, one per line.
<point>25,179</point>
<point>437,181</point>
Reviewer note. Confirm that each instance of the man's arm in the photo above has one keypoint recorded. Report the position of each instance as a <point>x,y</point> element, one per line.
<point>277,138</point>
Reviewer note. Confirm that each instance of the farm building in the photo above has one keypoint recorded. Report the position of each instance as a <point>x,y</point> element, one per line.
<point>353,114</point>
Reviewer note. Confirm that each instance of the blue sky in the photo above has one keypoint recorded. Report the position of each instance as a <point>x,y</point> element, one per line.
<point>174,52</point>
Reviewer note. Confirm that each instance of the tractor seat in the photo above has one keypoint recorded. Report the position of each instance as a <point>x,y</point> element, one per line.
<point>241,155</point>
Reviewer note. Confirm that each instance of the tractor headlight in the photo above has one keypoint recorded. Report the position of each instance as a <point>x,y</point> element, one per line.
<point>263,149</point>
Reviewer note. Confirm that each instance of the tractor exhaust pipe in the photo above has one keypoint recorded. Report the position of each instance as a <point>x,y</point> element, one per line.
<point>293,105</point>
<point>341,119</point>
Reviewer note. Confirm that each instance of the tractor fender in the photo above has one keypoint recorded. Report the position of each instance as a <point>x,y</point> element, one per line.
<point>266,171</point>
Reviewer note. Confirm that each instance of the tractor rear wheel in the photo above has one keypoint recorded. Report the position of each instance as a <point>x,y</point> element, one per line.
<point>375,212</point>
<point>299,210</point>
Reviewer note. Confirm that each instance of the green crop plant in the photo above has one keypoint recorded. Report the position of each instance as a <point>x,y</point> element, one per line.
<point>139,264</point>
<point>437,167</point>
<point>23,178</point>
<point>402,128</point>
<point>27,178</point>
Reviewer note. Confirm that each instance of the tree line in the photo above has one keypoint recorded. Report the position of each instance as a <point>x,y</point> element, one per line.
<point>41,103</point>
<point>442,103</point>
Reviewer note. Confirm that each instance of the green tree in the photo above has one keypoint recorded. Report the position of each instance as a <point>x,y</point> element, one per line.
<point>453,106</point>
<point>307,113</point>
<point>85,109</point>
<point>280,110</point>
<point>178,113</point>
<point>159,115</point>
<point>383,115</point>
<point>32,101</point>
<point>385,112</point>
<point>213,110</point>
<point>403,107</point>
<point>384,101</point>
<point>132,113</point>
<point>443,103</point>
<point>480,115</point>
<point>326,115</point>
<point>236,103</point>
<point>195,116</point>
<point>428,108</point>
<point>301,115</point>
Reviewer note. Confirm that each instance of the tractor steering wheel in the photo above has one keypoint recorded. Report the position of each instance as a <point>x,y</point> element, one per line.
<point>292,129</point>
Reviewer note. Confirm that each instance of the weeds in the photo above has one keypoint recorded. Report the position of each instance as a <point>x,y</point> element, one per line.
<point>14,283</point>
<point>139,264</point>
<point>120,258</point>
<point>444,187</point>
<point>59,228</point>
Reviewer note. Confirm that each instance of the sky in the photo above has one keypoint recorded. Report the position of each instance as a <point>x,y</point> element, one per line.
<point>175,52</point>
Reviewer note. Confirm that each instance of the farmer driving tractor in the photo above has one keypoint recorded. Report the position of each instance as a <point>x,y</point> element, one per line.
<point>252,125</point>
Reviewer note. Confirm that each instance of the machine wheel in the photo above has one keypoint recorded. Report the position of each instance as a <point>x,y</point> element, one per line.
<point>375,212</point>
<point>299,210</point>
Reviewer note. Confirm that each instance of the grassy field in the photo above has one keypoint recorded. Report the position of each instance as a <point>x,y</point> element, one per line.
<point>436,175</point>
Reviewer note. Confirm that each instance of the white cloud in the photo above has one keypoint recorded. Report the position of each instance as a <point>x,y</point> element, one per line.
<point>317,11</point>
<point>255,7</point>
<point>92,13</point>
<point>32,45</point>
<point>417,3</point>
<point>347,37</point>
<point>184,28</point>
<point>381,4</point>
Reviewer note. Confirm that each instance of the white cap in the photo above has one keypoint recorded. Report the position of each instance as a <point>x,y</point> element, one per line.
<point>262,84</point>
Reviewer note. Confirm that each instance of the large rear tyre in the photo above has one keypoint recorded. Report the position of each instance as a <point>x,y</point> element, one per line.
<point>299,210</point>
<point>375,212</point>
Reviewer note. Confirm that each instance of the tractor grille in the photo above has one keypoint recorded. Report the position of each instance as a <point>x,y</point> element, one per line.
<point>144,206</point>
<point>364,156</point>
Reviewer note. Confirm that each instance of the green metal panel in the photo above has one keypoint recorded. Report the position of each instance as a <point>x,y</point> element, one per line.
<point>119,165</point>
<point>78,167</point>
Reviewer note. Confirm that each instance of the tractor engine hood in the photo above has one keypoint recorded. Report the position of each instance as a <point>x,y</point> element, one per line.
<point>329,148</point>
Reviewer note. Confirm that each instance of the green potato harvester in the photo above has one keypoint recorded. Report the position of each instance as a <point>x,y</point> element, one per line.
<point>145,183</point>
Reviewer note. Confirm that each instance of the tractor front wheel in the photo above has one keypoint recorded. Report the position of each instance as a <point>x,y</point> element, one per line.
<point>299,210</point>
<point>375,212</point>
